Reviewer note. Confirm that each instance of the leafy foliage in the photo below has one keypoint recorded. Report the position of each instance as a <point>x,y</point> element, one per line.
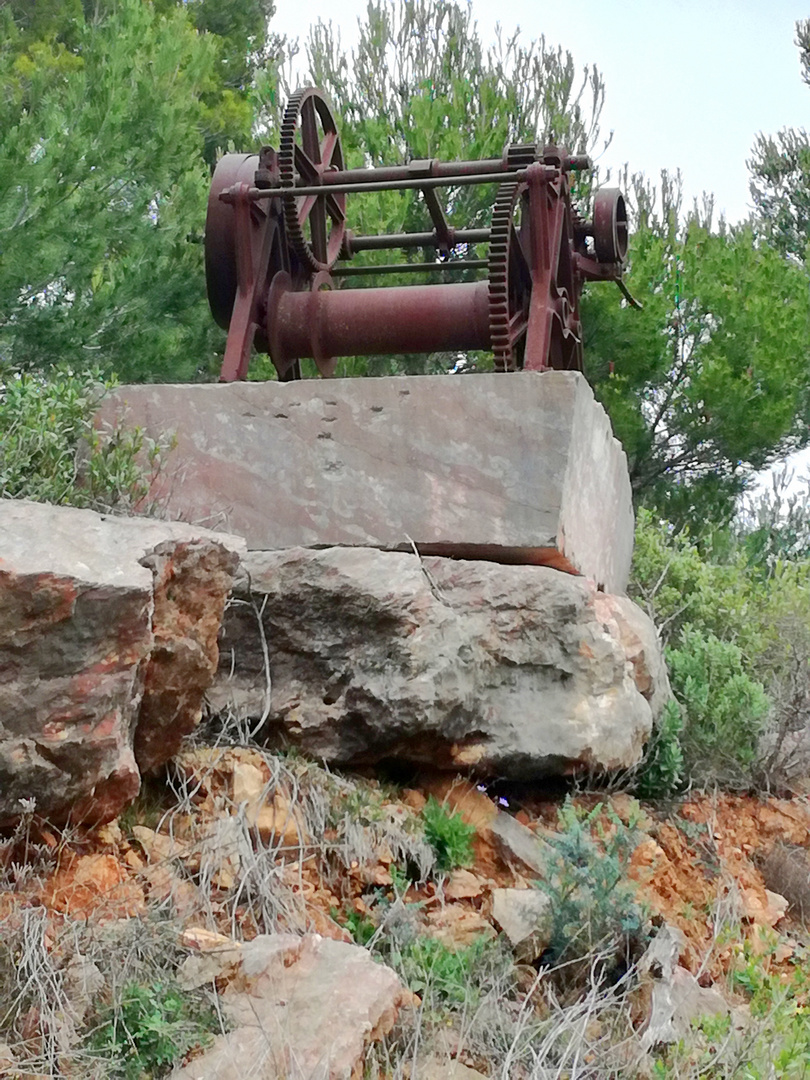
<point>449,835</point>
<point>737,631</point>
<point>777,1042</point>
<point>246,52</point>
<point>594,909</point>
<point>708,383</point>
<point>662,771</point>
<point>780,174</point>
<point>450,976</point>
<point>725,707</point>
<point>51,451</point>
<point>102,180</point>
<point>150,1030</point>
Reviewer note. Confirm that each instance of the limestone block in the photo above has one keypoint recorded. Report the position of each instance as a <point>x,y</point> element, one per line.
<point>518,468</point>
<point>105,623</point>
<point>300,1009</point>
<point>515,671</point>
<point>524,915</point>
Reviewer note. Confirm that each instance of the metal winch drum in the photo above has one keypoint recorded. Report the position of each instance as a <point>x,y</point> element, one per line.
<point>278,255</point>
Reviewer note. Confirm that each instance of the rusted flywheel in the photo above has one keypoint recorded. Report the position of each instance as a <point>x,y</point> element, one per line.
<point>309,147</point>
<point>220,235</point>
<point>610,226</point>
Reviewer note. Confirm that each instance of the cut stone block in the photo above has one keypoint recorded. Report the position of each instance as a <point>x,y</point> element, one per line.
<point>519,468</point>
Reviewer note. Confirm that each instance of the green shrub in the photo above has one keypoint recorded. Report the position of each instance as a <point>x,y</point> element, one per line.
<point>737,629</point>
<point>50,451</point>
<point>679,585</point>
<point>150,1029</point>
<point>724,707</point>
<point>594,909</point>
<point>449,835</point>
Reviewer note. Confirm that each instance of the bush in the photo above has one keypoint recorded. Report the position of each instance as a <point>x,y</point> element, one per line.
<point>737,635</point>
<point>725,708</point>
<point>50,451</point>
<point>594,910</point>
<point>449,835</point>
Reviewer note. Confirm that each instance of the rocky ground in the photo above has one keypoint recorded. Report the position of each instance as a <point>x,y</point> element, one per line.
<point>257,915</point>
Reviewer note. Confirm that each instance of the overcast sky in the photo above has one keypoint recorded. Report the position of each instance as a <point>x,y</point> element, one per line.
<point>688,83</point>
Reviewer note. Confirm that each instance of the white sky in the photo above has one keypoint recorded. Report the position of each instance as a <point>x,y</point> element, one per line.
<point>688,84</point>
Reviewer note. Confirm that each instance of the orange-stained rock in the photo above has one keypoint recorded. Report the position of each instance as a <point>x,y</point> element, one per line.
<point>457,926</point>
<point>95,886</point>
<point>463,885</point>
<point>91,641</point>
<point>192,580</point>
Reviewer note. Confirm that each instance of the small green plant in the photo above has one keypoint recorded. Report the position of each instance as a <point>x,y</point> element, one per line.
<point>662,771</point>
<point>359,926</point>
<point>51,452</point>
<point>775,1040</point>
<point>449,835</point>
<point>150,1029</point>
<point>594,908</point>
<point>450,976</point>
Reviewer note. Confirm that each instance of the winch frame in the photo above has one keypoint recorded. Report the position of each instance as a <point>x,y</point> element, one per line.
<point>278,255</point>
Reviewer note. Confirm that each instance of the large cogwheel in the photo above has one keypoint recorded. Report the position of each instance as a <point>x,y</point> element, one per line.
<point>309,147</point>
<point>509,281</point>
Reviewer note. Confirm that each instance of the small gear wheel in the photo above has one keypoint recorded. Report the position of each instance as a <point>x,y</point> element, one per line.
<point>510,281</point>
<point>309,147</point>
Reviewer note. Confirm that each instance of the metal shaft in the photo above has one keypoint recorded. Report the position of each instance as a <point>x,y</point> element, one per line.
<point>364,322</point>
<point>410,268</point>
<point>382,185</point>
<point>412,240</point>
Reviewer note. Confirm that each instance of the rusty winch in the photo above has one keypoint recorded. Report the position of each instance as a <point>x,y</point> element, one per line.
<point>276,248</point>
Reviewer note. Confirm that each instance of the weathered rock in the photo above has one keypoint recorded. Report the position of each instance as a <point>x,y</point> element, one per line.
<point>522,468</point>
<point>191,582</point>
<point>675,997</point>
<point>524,915</point>
<point>439,1068</point>
<point>786,871</point>
<point>517,844</point>
<point>107,644</point>
<point>506,670</point>
<point>300,1008</point>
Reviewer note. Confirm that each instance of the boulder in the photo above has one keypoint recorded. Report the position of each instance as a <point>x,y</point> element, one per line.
<point>524,915</point>
<point>514,671</point>
<point>108,641</point>
<point>303,1008</point>
<point>673,998</point>
<point>520,468</point>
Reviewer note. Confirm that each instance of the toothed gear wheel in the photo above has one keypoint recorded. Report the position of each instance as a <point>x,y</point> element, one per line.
<point>520,156</point>
<point>509,281</point>
<point>309,153</point>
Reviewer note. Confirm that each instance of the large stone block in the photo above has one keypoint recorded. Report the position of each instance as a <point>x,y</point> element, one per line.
<point>521,468</point>
<point>108,642</point>
<point>511,671</point>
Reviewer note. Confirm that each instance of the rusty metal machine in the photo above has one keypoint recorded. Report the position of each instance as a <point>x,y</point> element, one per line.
<point>277,249</point>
